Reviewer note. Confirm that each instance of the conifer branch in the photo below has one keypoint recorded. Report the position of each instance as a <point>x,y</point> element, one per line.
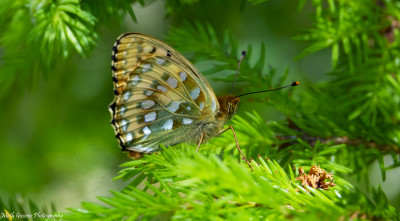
<point>189,183</point>
<point>40,35</point>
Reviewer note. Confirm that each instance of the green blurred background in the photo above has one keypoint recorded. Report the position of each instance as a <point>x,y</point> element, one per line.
<point>56,141</point>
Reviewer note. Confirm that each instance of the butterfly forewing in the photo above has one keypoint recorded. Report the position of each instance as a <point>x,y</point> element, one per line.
<point>159,95</point>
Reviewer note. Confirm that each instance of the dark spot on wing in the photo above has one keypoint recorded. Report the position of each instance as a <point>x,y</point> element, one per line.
<point>112,107</point>
<point>155,84</point>
<point>165,76</point>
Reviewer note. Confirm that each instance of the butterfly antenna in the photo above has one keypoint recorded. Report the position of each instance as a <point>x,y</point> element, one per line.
<point>295,83</point>
<point>237,71</point>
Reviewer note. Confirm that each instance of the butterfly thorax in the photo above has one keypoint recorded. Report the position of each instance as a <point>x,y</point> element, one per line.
<point>212,125</point>
<point>228,105</point>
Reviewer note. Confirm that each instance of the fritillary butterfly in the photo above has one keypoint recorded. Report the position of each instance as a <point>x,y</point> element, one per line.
<point>161,98</point>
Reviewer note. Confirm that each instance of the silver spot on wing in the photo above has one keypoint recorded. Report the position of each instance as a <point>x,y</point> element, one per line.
<point>150,116</point>
<point>168,124</point>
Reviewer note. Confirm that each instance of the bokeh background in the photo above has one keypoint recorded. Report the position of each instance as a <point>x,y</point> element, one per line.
<point>56,142</point>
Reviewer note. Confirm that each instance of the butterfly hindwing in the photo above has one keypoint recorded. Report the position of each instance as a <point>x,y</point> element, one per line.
<point>159,94</point>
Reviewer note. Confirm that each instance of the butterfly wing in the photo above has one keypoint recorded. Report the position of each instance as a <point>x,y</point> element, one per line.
<point>159,94</point>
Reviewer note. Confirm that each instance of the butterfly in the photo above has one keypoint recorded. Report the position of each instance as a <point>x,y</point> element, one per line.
<point>161,98</point>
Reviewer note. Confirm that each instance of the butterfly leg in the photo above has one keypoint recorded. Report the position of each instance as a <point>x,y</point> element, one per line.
<point>237,145</point>
<point>201,139</point>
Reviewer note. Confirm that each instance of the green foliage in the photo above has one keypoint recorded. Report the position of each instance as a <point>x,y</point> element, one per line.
<point>363,38</point>
<point>182,184</point>
<point>111,10</point>
<point>60,25</point>
<point>343,124</point>
<point>362,101</point>
<point>49,31</point>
